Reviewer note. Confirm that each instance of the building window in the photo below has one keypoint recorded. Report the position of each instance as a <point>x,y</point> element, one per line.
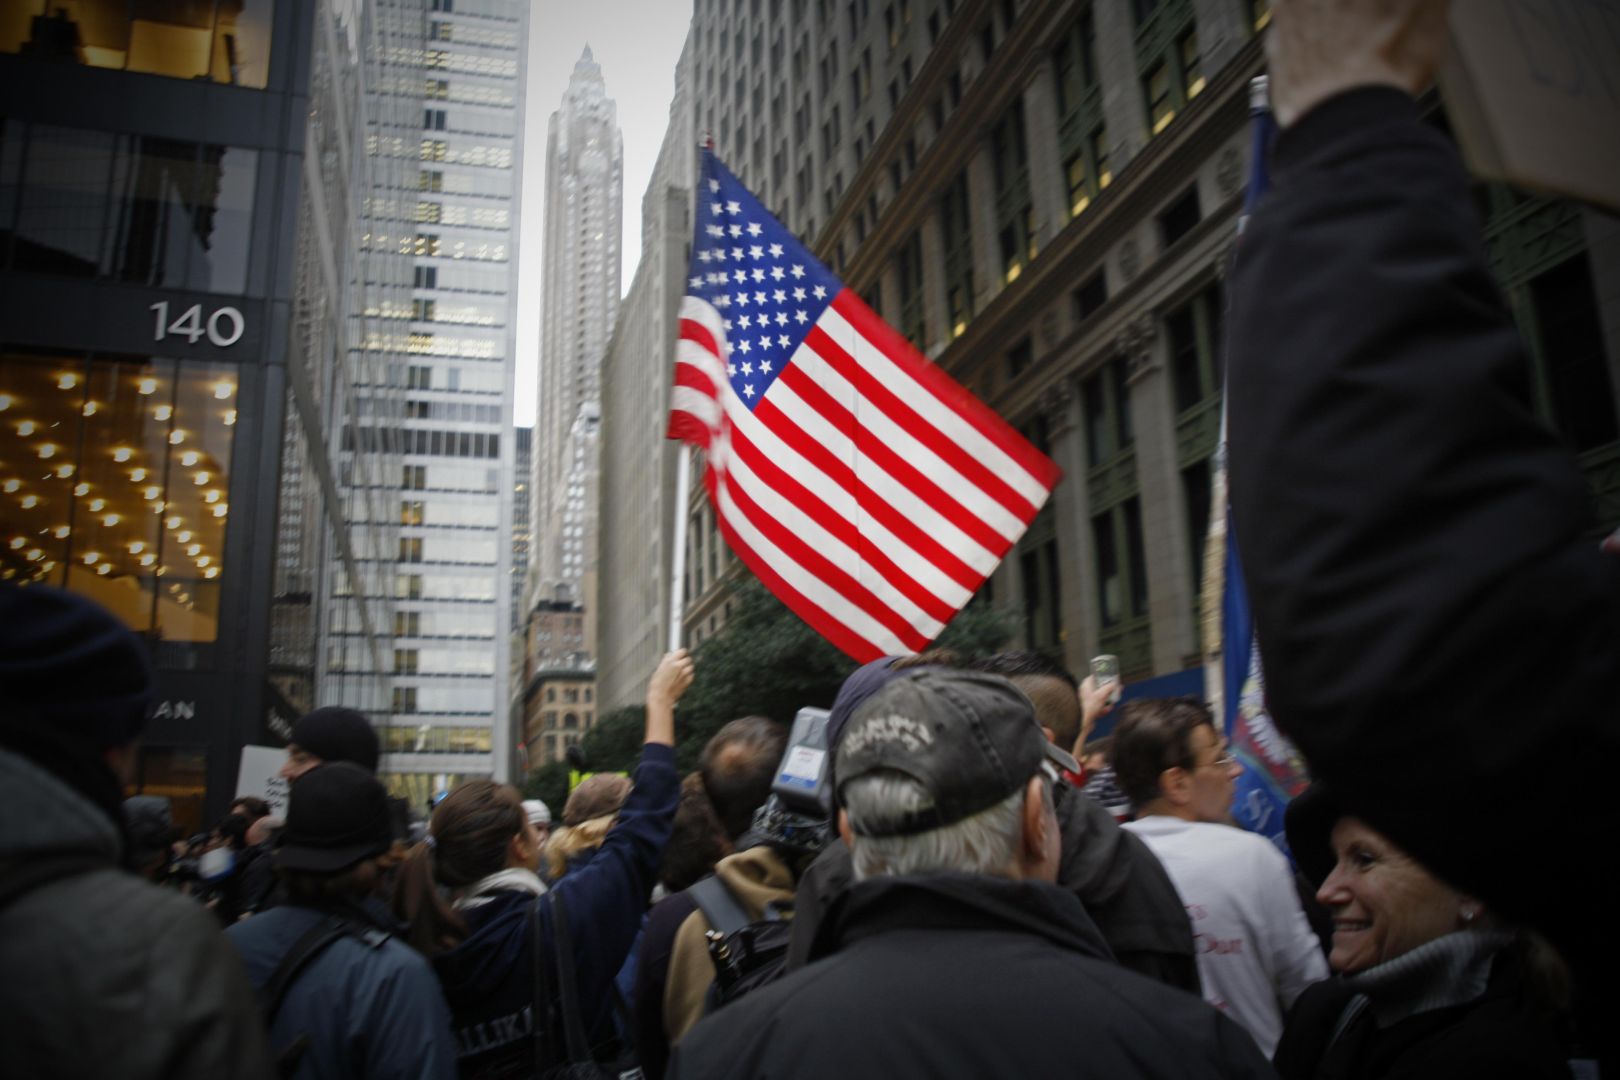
<point>410,549</point>
<point>407,624</point>
<point>1020,358</point>
<point>957,223</point>
<point>1194,331</point>
<point>1179,218</point>
<point>414,478</point>
<point>408,587</point>
<point>116,480</point>
<point>1122,591</point>
<point>412,512</point>
<point>405,661</point>
<point>1105,397</point>
<point>130,208</point>
<point>405,700</point>
<point>1195,497</point>
<point>1090,297</point>
<point>432,119</point>
<point>909,266</point>
<point>1014,208</point>
<point>1170,61</point>
<point>1076,60</point>
<point>1192,63</point>
<point>423,310</point>
<point>222,43</point>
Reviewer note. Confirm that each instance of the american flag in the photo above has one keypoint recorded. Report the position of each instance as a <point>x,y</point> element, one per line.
<point>867,489</point>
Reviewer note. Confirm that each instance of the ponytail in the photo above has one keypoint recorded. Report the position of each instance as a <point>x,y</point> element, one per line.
<point>467,840</point>
<point>432,925</point>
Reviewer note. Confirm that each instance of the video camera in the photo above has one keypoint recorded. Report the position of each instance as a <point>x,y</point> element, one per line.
<point>798,814</point>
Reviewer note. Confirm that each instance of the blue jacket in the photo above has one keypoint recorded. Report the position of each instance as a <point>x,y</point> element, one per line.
<point>489,977</point>
<point>369,1012</point>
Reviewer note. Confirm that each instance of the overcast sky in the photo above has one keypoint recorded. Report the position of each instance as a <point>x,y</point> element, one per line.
<point>637,43</point>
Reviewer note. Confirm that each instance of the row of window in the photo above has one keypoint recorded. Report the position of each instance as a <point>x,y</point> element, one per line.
<point>223,43</point>
<point>429,738</point>
<point>389,440</point>
<point>133,208</point>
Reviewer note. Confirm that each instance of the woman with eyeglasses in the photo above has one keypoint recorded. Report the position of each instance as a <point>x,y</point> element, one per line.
<point>1430,983</point>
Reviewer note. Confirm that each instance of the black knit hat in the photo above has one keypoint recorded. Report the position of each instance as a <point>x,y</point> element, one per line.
<point>69,667</point>
<point>337,815</point>
<point>333,733</point>
<point>1308,823</point>
<point>968,738</point>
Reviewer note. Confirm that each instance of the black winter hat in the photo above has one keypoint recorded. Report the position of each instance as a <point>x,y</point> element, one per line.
<point>1308,823</point>
<point>69,666</point>
<point>333,733</point>
<point>337,815</point>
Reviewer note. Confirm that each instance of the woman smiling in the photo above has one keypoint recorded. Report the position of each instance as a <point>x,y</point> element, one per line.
<point>1429,982</point>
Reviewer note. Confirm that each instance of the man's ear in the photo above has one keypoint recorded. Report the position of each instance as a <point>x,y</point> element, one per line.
<point>1036,821</point>
<point>844,831</point>
<point>1175,785</point>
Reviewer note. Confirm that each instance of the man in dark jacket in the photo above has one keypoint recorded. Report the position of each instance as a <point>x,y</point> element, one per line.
<point>367,1003</point>
<point>1440,630</point>
<point>949,955</point>
<point>1122,886</point>
<point>105,974</point>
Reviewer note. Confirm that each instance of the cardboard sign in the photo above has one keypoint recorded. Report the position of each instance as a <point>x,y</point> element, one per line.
<point>1532,88</point>
<point>258,775</point>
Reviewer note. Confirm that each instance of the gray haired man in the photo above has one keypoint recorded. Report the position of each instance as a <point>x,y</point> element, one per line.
<point>954,941</point>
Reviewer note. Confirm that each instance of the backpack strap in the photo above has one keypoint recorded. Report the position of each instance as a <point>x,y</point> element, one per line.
<point>314,941</point>
<point>720,906</point>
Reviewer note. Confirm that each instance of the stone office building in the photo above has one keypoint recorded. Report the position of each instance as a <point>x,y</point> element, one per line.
<point>1042,195</point>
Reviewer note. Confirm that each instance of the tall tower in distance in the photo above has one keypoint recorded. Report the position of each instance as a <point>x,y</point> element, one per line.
<point>580,298</point>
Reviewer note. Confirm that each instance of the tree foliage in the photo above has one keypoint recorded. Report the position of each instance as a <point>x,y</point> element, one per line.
<point>764,661</point>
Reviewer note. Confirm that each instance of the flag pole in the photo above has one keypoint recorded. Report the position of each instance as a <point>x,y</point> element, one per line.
<point>683,484</point>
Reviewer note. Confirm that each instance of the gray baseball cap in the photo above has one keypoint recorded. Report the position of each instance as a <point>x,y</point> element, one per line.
<point>970,739</point>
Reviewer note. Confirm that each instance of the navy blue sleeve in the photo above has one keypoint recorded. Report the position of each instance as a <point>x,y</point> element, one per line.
<point>606,897</point>
<point>1438,628</point>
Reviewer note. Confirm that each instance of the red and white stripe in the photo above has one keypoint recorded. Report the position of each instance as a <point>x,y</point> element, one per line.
<point>868,490</point>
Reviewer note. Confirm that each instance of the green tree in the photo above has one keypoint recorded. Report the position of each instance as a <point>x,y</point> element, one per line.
<point>765,661</point>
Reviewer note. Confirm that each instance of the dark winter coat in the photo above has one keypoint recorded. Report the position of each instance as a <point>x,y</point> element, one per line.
<point>1120,882</point>
<point>489,977</point>
<point>1440,631</point>
<point>1501,1035</point>
<point>958,975</point>
<point>107,975</point>
<point>369,1010</point>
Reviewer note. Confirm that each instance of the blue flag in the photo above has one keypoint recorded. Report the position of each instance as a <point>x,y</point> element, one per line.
<point>1273,771</point>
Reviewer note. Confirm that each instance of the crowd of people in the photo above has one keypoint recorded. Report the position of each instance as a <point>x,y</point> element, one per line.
<point>944,874</point>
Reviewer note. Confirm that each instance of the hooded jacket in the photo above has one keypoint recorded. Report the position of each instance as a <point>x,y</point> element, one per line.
<point>488,978</point>
<point>949,975</point>
<point>106,974</point>
<point>1122,885</point>
<point>676,969</point>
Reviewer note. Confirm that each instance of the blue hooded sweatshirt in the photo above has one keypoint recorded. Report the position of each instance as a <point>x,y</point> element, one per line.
<point>488,978</point>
